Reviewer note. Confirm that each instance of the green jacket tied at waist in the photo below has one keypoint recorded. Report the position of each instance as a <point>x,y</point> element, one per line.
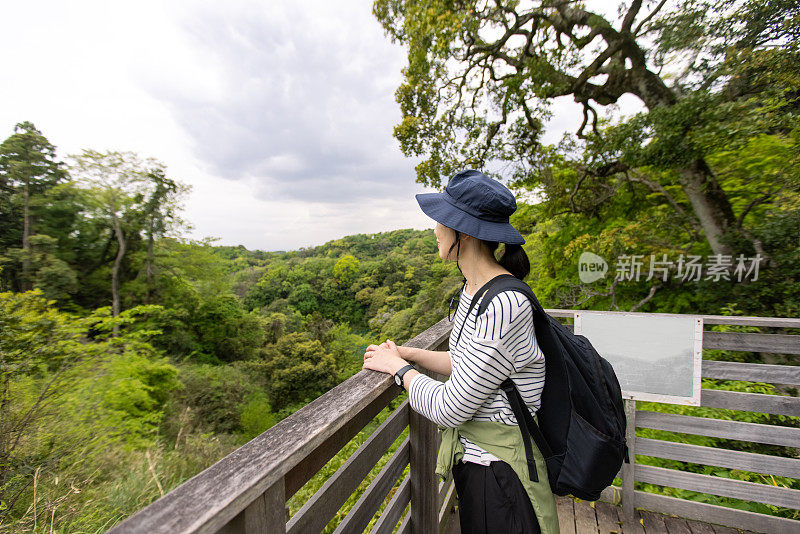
<point>505,442</point>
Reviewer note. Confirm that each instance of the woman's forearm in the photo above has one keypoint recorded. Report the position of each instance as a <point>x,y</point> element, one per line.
<point>434,360</point>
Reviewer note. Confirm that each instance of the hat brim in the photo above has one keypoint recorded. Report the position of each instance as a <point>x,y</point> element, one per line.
<point>438,209</point>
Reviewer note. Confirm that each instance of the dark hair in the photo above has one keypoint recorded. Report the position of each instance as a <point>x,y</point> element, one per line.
<point>514,259</point>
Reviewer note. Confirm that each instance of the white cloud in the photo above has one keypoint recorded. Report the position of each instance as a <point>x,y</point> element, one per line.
<point>279,114</point>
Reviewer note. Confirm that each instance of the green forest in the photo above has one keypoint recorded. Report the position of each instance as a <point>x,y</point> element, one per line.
<point>133,357</point>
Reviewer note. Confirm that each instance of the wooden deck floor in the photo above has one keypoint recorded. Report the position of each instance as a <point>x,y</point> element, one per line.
<point>583,517</point>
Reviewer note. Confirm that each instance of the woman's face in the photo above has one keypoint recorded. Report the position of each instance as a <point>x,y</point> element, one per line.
<point>445,237</point>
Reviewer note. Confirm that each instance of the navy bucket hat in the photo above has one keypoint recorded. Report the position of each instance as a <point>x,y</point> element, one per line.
<point>476,205</point>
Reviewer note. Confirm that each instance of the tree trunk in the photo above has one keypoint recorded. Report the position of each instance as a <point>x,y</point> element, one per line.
<point>710,204</point>
<point>709,201</point>
<point>26,284</point>
<point>115,303</point>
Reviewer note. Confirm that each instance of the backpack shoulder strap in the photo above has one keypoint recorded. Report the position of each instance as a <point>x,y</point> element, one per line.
<point>525,420</point>
<point>484,288</point>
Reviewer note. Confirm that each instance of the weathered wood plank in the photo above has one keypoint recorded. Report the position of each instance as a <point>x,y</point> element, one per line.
<point>585,519</point>
<point>269,514</point>
<point>632,525</point>
<point>676,525</point>
<point>653,522</point>
<point>446,510</point>
<point>753,372</point>
<point>748,461</point>
<point>566,514</point>
<point>750,402</point>
<point>719,428</point>
<point>628,476</point>
<point>323,505</point>
<point>444,488</point>
<point>424,488</point>
<point>725,487</point>
<point>698,527</point>
<point>608,521</point>
<point>719,529</point>
<point>255,515</point>
<point>314,460</point>
<point>365,507</point>
<point>774,343</point>
<point>721,515</point>
<point>775,322</point>
<point>434,337</point>
<point>394,509</point>
<point>234,526</point>
<point>405,524</point>
<point>452,525</point>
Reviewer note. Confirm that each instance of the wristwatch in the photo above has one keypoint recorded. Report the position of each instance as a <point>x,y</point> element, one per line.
<point>398,376</point>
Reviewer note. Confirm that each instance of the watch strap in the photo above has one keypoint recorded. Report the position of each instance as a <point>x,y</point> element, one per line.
<point>402,371</point>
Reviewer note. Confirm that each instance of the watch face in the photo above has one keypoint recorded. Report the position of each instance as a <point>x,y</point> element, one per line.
<point>397,380</point>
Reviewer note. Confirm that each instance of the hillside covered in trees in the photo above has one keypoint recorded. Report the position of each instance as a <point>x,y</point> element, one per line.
<point>133,357</point>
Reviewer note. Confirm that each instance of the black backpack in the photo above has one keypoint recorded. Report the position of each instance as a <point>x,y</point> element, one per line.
<point>581,430</point>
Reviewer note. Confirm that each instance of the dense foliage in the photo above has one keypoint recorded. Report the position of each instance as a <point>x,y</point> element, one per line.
<point>123,344</point>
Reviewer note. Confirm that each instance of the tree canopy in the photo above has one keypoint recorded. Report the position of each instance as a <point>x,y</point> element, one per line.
<point>481,77</point>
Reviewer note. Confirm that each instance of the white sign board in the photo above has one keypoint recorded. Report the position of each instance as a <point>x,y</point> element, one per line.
<point>656,357</point>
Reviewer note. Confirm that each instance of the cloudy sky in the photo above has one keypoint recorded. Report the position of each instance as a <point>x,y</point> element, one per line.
<point>278,113</point>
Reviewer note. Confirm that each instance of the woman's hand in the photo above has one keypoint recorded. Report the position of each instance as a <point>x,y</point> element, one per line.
<point>372,348</point>
<point>384,358</point>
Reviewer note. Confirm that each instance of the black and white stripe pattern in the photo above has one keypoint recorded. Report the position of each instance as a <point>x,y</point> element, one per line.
<point>498,344</point>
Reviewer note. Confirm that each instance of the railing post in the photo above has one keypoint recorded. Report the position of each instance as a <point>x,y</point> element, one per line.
<point>266,514</point>
<point>424,489</point>
<point>628,503</point>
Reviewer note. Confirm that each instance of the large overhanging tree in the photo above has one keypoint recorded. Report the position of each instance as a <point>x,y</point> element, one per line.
<point>481,75</point>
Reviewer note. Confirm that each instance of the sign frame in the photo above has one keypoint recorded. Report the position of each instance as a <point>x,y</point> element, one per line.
<point>697,360</point>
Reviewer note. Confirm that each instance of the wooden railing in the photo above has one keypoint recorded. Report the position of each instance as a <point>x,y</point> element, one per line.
<point>247,491</point>
<point>786,436</point>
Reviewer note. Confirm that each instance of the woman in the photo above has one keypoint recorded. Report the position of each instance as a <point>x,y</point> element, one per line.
<point>481,441</point>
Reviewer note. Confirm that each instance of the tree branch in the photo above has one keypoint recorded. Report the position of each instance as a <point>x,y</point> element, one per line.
<point>587,108</point>
<point>636,5</point>
<point>610,293</point>
<point>652,292</point>
<point>649,17</point>
<point>755,202</point>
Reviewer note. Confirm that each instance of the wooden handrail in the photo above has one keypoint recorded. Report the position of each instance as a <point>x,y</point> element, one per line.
<point>218,498</point>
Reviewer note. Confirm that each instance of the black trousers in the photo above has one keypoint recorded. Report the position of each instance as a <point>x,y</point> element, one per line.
<point>491,499</point>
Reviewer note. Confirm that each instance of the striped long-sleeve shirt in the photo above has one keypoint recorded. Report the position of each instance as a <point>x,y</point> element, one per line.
<point>500,343</point>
